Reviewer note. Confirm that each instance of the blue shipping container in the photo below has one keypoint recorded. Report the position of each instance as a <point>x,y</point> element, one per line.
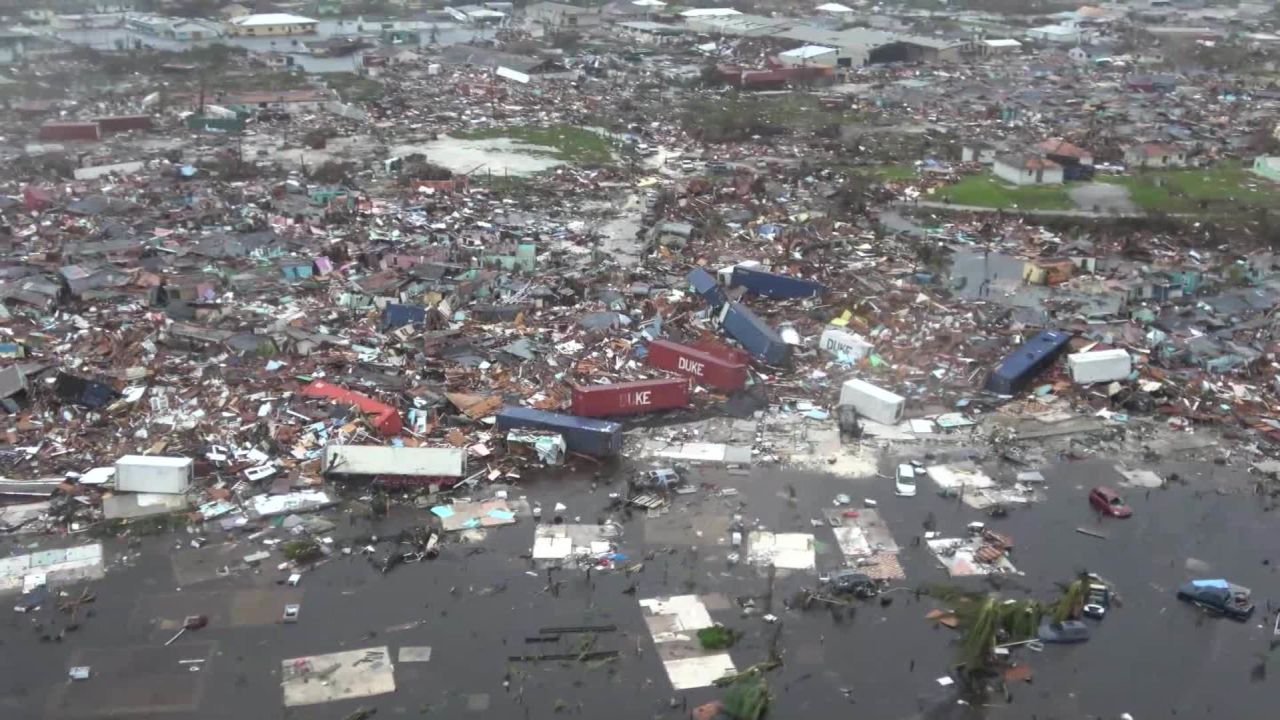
<point>394,315</point>
<point>754,334</point>
<point>588,436</point>
<point>705,285</point>
<point>1021,366</point>
<point>768,284</point>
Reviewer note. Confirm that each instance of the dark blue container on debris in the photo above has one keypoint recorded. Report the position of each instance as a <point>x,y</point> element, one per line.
<point>773,285</point>
<point>1031,358</point>
<point>395,315</point>
<point>704,283</point>
<point>754,334</point>
<point>588,436</point>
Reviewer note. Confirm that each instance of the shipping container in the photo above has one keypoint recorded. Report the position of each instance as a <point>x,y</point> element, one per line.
<point>630,398</point>
<point>1100,366</point>
<point>775,285</point>
<point>705,285</point>
<point>843,344</point>
<point>872,402</point>
<point>154,474</point>
<point>70,131</point>
<point>385,418</point>
<point>395,315</point>
<point>396,465</point>
<point>123,123</point>
<point>1022,365</point>
<point>724,351</point>
<point>704,367</point>
<point>589,436</point>
<point>762,341</point>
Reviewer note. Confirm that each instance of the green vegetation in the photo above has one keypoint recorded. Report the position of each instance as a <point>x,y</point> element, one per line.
<point>565,142</point>
<point>735,117</point>
<point>985,190</point>
<point>905,171</point>
<point>717,637</point>
<point>1228,187</point>
<point>747,698</point>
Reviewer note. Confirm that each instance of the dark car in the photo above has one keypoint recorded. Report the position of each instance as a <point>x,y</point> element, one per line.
<point>1067,631</point>
<point>1108,502</point>
<point>1219,597</point>
<point>849,582</point>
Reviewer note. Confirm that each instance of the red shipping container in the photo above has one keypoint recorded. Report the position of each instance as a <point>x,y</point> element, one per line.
<point>122,123</point>
<point>630,398</point>
<point>70,131</point>
<point>706,369</point>
<point>385,418</point>
<point>727,353</point>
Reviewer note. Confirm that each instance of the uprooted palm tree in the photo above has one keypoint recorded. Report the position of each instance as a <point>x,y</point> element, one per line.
<point>984,621</point>
<point>1069,605</point>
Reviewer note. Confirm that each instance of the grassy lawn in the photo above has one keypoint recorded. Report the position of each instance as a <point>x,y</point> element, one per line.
<point>1225,187</point>
<point>987,191</point>
<point>894,172</point>
<point>565,142</point>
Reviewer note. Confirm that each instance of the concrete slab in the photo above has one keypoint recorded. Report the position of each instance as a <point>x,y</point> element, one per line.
<point>134,681</point>
<point>337,676</point>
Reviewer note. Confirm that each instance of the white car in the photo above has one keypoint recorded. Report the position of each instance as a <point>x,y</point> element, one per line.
<point>905,483</point>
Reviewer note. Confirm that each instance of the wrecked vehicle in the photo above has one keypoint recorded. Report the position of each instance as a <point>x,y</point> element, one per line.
<point>1108,502</point>
<point>1067,631</point>
<point>851,582</point>
<point>1219,597</point>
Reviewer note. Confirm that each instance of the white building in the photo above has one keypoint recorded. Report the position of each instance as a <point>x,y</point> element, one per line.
<point>270,24</point>
<point>1155,155</point>
<point>809,55</point>
<point>1027,169</point>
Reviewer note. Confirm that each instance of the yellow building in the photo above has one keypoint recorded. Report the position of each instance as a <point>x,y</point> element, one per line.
<point>271,24</point>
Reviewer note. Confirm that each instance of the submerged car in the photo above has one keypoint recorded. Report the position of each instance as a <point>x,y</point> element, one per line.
<point>850,582</point>
<point>904,484</point>
<point>1108,502</point>
<point>1067,631</point>
<point>1219,597</point>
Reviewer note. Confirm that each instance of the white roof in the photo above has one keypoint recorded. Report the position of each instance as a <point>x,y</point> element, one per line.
<point>808,51</point>
<point>834,8</point>
<point>1002,42</point>
<point>709,12</point>
<point>649,3</point>
<point>270,19</point>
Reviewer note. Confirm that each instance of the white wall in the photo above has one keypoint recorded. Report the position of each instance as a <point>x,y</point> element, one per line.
<point>1019,176</point>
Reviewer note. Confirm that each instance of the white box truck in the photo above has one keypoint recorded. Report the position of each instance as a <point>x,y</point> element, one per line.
<point>154,474</point>
<point>1100,366</point>
<point>842,343</point>
<point>873,403</point>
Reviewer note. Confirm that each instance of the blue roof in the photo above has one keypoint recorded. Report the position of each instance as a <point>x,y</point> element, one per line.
<point>1212,583</point>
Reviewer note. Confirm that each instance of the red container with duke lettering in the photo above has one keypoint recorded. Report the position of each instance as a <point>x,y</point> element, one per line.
<point>721,373</point>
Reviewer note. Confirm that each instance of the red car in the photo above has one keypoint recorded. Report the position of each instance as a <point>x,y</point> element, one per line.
<point>1108,502</point>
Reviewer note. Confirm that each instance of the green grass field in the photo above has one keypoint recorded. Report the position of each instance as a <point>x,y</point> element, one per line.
<point>565,142</point>
<point>1227,187</point>
<point>988,191</point>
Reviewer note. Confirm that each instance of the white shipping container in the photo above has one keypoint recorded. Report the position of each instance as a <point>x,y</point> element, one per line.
<point>1100,366</point>
<point>873,403</point>
<point>842,343</point>
<point>154,474</point>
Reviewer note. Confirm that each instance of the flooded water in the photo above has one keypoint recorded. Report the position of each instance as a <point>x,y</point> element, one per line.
<point>978,274</point>
<point>477,604</point>
<point>499,156</point>
<point>447,33</point>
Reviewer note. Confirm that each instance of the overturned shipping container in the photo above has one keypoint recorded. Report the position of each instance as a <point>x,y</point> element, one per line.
<point>872,402</point>
<point>630,398</point>
<point>1100,366</point>
<point>762,341</point>
<point>705,368</point>
<point>395,465</point>
<point>775,285</point>
<point>588,436</point>
<point>382,416</point>
<point>1031,358</point>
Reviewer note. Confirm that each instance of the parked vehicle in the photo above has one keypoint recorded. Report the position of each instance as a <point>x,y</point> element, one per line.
<point>852,582</point>
<point>1067,631</point>
<point>291,613</point>
<point>1097,601</point>
<point>1108,502</point>
<point>1219,597</point>
<point>904,484</point>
